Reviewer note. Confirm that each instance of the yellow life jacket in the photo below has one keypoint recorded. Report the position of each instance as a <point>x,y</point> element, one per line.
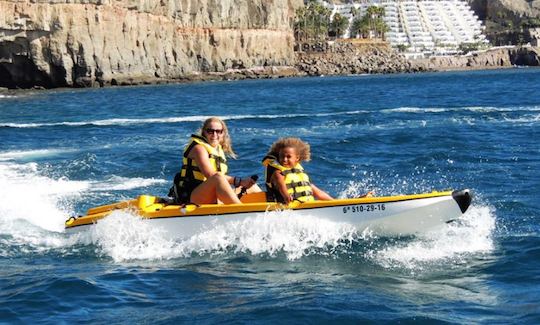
<point>190,175</point>
<point>190,170</point>
<point>296,180</point>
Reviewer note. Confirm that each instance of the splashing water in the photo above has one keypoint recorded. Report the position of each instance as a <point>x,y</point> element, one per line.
<point>116,183</point>
<point>453,242</point>
<point>124,236</point>
<point>34,198</point>
<point>275,232</point>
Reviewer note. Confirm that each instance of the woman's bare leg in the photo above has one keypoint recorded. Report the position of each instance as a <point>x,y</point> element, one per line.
<point>214,188</point>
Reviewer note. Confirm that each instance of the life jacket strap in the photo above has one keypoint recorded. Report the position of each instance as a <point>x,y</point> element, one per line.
<point>188,149</point>
<point>298,195</point>
<point>219,160</point>
<point>292,170</point>
<point>298,184</point>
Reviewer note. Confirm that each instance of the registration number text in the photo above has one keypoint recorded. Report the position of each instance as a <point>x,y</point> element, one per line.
<point>364,208</point>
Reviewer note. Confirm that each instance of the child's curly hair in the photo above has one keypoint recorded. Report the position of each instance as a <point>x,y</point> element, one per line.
<point>302,148</point>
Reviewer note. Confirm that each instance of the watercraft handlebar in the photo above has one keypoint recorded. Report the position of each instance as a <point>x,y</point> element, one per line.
<point>244,189</point>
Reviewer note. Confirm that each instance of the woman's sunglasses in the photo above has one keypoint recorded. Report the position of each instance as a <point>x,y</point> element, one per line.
<point>210,131</point>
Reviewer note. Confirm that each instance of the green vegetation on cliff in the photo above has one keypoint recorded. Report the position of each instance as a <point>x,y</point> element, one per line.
<point>313,23</point>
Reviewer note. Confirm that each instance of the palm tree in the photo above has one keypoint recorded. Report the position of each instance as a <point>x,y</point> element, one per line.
<point>373,19</point>
<point>372,13</point>
<point>361,26</point>
<point>323,20</point>
<point>338,25</point>
<point>354,11</point>
<point>312,21</point>
<point>381,28</point>
<point>300,24</point>
<point>381,25</point>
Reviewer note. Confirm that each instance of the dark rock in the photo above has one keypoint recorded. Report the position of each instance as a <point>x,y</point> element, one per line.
<point>350,58</point>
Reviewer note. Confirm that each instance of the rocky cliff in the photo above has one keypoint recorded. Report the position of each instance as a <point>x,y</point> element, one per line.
<point>54,43</point>
<point>494,58</point>
<point>338,58</point>
<point>508,21</point>
<point>496,9</point>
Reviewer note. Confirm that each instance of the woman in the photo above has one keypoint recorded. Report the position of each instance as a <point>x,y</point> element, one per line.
<point>203,178</point>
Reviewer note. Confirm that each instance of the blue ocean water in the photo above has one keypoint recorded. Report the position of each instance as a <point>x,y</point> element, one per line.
<point>64,151</point>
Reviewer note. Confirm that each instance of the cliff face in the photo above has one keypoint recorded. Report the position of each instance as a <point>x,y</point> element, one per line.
<point>520,8</point>
<point>507,21</point>
<point>495,58</point>
<point>97,42</point>
<point>350,58</point>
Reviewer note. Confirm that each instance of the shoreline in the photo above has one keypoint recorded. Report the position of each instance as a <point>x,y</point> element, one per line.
<point>487,60</point>
<point>215,77</point>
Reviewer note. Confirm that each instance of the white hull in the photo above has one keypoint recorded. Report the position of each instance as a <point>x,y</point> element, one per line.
<point>384,216</point>
<point>400,218</point>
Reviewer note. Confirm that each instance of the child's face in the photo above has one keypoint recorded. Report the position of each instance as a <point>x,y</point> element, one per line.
<point>288,157</point>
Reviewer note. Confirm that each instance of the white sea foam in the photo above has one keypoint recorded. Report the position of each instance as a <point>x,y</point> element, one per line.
<point>35,207</point>
<point>28,154</point>
<point>414,110</point>
<point>355,189</point>
<point>36,199</point>
<point>42,201</point>
<point>21,236</point>
<point>275,232</point>
<point>481,109</point>
<point>123,236</point>
<point>451,243</point>
<point>523,120</point>
<point>118,183</point>
<point>108,122</point>
<point>518,115</point>
<point>127,121</point>
<point>163,120</point>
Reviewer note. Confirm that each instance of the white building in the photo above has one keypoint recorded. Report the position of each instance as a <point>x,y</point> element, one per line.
<point>422,26</point>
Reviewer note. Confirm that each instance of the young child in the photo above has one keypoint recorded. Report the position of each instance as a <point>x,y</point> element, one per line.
<point>285,178</point>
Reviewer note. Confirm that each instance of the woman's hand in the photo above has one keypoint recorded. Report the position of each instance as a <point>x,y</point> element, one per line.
<point>369,194</point>
<point>247,182</point>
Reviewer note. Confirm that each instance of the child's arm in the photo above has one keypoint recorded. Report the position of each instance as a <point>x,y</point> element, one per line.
<point>320,194</point>
<point>279,181</point>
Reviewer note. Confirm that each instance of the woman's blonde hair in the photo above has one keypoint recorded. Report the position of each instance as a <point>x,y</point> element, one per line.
<point>302,148</point>
<point>225,140</point>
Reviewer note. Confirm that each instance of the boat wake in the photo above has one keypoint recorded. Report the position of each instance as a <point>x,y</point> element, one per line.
<point>34,198</point>
<point>31,218</point>
<point>118,183</point>
<point>31,154</point>
<point>36,205</point>
<point>123,236</point>
<point>450,245</point>
<point>164,120</point>
<point>481,109</point>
